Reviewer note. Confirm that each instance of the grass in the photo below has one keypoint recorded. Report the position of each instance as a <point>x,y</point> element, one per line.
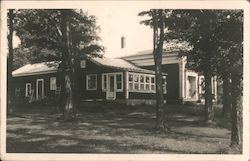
<point>116,129</point>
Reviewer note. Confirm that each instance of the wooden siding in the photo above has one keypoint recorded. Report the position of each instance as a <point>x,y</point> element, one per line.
<point>92,68</point>
<point>20,82</point>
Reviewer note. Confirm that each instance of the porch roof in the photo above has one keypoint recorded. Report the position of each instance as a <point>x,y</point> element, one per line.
<point>120,64</point>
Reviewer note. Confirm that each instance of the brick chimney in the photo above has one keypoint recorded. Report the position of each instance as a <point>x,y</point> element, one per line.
<point>123,42</point>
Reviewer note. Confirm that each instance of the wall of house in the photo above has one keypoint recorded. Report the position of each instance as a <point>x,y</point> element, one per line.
<point>20,82</point>
<point>92,68</point>
<point>84,94</point>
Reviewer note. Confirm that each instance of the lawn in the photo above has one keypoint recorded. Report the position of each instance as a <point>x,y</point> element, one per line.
<point>116,129</point>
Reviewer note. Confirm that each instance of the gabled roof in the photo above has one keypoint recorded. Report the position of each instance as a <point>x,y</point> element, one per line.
<point>170,49</point>
<point>52,67</point>
<point>37,68</point>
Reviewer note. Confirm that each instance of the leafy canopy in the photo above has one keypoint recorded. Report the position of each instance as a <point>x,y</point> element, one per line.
<point>215,37</point>
<point>40,31</point>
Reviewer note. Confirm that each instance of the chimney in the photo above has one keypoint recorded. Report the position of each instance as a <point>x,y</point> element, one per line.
<point>123,43</point>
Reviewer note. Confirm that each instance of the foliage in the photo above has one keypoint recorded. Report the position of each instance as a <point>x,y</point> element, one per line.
<point>40,31</point>
<point>215,37</point>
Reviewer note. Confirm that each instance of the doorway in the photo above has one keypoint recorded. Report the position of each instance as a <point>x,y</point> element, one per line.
<point>39,89</point>
<point>111,93</point>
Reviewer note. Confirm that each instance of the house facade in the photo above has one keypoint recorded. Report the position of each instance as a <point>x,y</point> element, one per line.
<point>100,79</point>
<point>184,85</point>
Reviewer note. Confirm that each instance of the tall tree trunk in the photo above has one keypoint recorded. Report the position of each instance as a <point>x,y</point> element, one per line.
<point>10,89</point>
<point>226,94</point>
<point>236,114</point>
<point>209,109</point>
<point>67,69</point>
<point>157,52</point>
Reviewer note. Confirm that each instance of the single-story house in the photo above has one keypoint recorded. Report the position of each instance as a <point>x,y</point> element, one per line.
<point>113,79</point>
<point>184,85</point>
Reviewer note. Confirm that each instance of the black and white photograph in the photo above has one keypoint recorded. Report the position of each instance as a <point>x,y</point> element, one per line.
<point>124,80</point>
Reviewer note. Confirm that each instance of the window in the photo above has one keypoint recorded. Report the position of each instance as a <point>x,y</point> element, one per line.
<point>152,83</point>
<point>28,89</point>
<point>130,81</point>
<point>104,82</point>
<point>83,63</point>
<point>53,83</point>
<point>91,82</point>
<point>119,86</point>
<point>136,81</point>
<point>164,84</point>
<point>17,92</point>
<point>142,82</point>
<point>147,83</point>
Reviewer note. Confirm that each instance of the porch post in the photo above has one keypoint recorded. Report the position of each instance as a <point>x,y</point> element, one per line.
<point>182,79</point>
<point>126,85</point>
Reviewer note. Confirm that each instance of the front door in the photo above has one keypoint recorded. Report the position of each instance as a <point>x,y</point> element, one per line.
<point>39,89</point>
<point>111,94</point>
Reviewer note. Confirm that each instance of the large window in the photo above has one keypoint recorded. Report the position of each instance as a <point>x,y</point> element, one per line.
<point>91,82</point>
<point>28,89</point>
<point>53,83</point>
<point>141,82</point>
<point>144,83</point>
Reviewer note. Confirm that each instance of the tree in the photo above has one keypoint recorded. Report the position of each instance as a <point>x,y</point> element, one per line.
<point>10,60</point>
<point>198,28</point>
<point>70,34</point>
<point>217,40</point>
<point>231,47</point>
<point>158,24</point>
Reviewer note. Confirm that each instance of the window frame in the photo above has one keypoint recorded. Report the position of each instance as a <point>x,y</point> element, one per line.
<point>136,83</point>
<point>121,89</point>
<point>83,64</point>
<point>26,89</point>
<point>142,83</point>
<point>103,82</point>
<point>17,91</point>
<point>145,76</point>
<point>42,80</point>
<point>51,85</point>
<point>152,83</point>
<point>88,75</point>
<point>130,81</point>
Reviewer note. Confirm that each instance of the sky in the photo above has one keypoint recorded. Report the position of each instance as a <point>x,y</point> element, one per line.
<point>116,22</point>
